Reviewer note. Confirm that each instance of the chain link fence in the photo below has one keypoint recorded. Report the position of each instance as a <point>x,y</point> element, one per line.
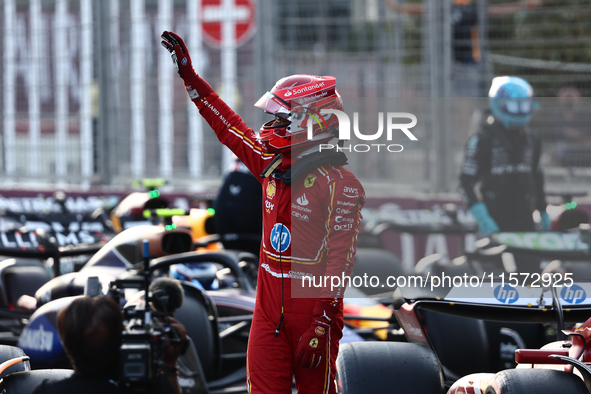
<point>91,98</point>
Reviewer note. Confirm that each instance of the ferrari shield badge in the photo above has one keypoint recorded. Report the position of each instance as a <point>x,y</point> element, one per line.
<point>271,189</point>
<point>314,343</point>
<point>309,181</point>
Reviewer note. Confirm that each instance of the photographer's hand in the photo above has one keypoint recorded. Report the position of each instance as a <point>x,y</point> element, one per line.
<point>172,351</point>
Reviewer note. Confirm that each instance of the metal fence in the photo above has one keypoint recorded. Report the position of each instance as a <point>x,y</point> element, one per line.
<point>91,98</point>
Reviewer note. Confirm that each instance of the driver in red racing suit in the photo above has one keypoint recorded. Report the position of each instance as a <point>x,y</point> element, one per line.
<point>311,221</point>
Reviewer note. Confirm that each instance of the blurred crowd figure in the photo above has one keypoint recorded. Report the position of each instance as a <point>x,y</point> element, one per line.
<point>238,209</point>
<point>466,73</point>
<point>502,162</point>
<point>571,131</point>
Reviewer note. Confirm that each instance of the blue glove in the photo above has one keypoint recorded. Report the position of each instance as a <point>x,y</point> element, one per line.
<point>546,223</point>
<point>486,224</point>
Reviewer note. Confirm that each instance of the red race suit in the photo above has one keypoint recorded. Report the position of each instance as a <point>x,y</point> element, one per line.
<point>309,227</point>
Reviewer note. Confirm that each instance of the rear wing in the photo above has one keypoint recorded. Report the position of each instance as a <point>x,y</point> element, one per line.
<point>501,301</point>
<point>56,253</point>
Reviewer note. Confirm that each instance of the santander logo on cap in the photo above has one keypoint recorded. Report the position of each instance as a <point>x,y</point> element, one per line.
<point>307,88</point>
<point>287,94</point>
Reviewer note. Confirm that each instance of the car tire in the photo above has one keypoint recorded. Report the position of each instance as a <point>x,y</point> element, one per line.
<point>26,381</point>
<point>460,342</point>
<point>10,353</point>
<point>388,367</point>
<point>535,380</point>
